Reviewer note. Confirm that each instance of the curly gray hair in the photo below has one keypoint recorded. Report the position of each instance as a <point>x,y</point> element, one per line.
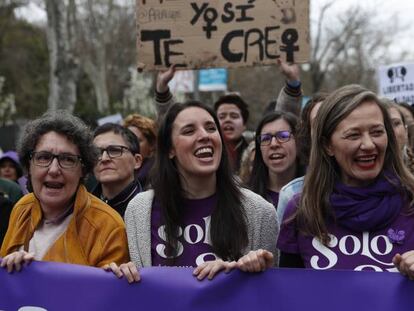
<point>66,124</point>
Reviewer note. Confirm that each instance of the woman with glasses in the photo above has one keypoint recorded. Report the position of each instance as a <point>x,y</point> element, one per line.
<point>196,215</point>
<point>276,159</point>
<point>61,221</point>
<point>119,158</point>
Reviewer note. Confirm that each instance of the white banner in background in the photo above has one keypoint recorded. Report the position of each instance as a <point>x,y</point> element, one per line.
<point>396,81</point>
<point>183,81</point>
<point>115,118</point>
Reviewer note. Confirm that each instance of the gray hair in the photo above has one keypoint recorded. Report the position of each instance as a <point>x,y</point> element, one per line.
<point>63,123</point>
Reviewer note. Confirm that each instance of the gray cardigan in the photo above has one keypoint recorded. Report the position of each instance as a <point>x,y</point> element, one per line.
<point>262,225</point>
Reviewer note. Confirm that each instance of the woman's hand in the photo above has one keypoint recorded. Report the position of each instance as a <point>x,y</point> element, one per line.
<point>256,261</point>
<point>211,268</point>
<point>163,78</point>
<point>290,71</point>
<point>16,260</point>
<point>405,264</point>
<point>129,270</point>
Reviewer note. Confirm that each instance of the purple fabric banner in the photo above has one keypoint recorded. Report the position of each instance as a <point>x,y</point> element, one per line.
<point>54,286</point>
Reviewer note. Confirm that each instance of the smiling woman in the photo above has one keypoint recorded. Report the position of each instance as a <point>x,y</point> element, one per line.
<point>356,209</point>
<point>196,207</point>
<point>60,220</point>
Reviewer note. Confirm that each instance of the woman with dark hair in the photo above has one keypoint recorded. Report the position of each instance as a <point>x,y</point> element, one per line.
<point>276,161</point>
<point>196,215</point>
<point>61,221</point>
<point>356,209</point>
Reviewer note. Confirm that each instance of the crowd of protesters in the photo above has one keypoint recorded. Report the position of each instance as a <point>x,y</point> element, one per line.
<point>189,189</point>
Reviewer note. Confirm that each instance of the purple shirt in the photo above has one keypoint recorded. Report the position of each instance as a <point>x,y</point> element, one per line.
<point>348,249</point>
<point>194,245</point>
<point>274,196</point>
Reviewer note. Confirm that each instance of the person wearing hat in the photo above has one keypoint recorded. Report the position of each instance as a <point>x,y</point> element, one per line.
<point>10,192</point>
<point>11,169</point>
<point>10,166</point>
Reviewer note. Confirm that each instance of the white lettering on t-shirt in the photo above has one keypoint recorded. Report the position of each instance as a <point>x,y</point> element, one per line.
<point>202,258</point>
<point>202,236</point>
<point>330,255</point>
<point>207,221</point>
<point>160,248</point>
<point>199,235</point>
<point>350,245</point>
<point>374,245</point>
<point>356,245</point>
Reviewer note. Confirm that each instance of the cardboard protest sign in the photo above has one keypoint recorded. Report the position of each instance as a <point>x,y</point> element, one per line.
<point>396,81</point>
<point>216,33</point>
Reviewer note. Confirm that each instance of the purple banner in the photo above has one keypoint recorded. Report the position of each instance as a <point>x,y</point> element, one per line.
<point>54,286</point>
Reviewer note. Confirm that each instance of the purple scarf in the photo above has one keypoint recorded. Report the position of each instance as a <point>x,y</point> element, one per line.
<point>367,208</point>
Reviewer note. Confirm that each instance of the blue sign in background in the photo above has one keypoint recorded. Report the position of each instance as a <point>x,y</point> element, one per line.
<point>214,79</point>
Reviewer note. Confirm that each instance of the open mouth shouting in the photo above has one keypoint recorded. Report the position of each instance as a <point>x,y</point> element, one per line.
<point>276,158</point>
<point>53,186</point>
<point>366,162</point>
<point>228,128</point>
<point>204,153</point>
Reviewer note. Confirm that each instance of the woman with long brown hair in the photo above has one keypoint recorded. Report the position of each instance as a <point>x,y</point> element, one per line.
<point>355,211</point>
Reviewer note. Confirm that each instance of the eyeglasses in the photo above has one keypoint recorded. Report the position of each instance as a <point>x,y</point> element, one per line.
<point>113,151</point>
<point>281,137</point>
<point>45,158</point>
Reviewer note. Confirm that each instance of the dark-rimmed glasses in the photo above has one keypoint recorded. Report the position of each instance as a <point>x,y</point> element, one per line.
<point>45,158</point>
<point>281,137</point>
<point>113,151</point>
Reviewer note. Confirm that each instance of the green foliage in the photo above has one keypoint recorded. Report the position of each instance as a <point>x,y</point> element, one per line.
<point>7,106</point>
<point>24,64</point>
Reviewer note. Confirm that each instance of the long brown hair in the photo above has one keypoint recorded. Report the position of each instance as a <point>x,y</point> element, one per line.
<point>323,170</point>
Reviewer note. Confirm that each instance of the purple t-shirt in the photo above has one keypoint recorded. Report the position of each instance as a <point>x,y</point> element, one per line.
<point>274,196</point>
<point>194,245</point>
<point>347,249</point>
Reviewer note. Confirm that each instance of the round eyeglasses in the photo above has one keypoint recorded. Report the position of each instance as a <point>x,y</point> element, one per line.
<point>281,137</point>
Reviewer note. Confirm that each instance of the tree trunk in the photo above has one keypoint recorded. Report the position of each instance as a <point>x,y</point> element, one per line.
<point>63,64</point>
<point>96,71</point>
